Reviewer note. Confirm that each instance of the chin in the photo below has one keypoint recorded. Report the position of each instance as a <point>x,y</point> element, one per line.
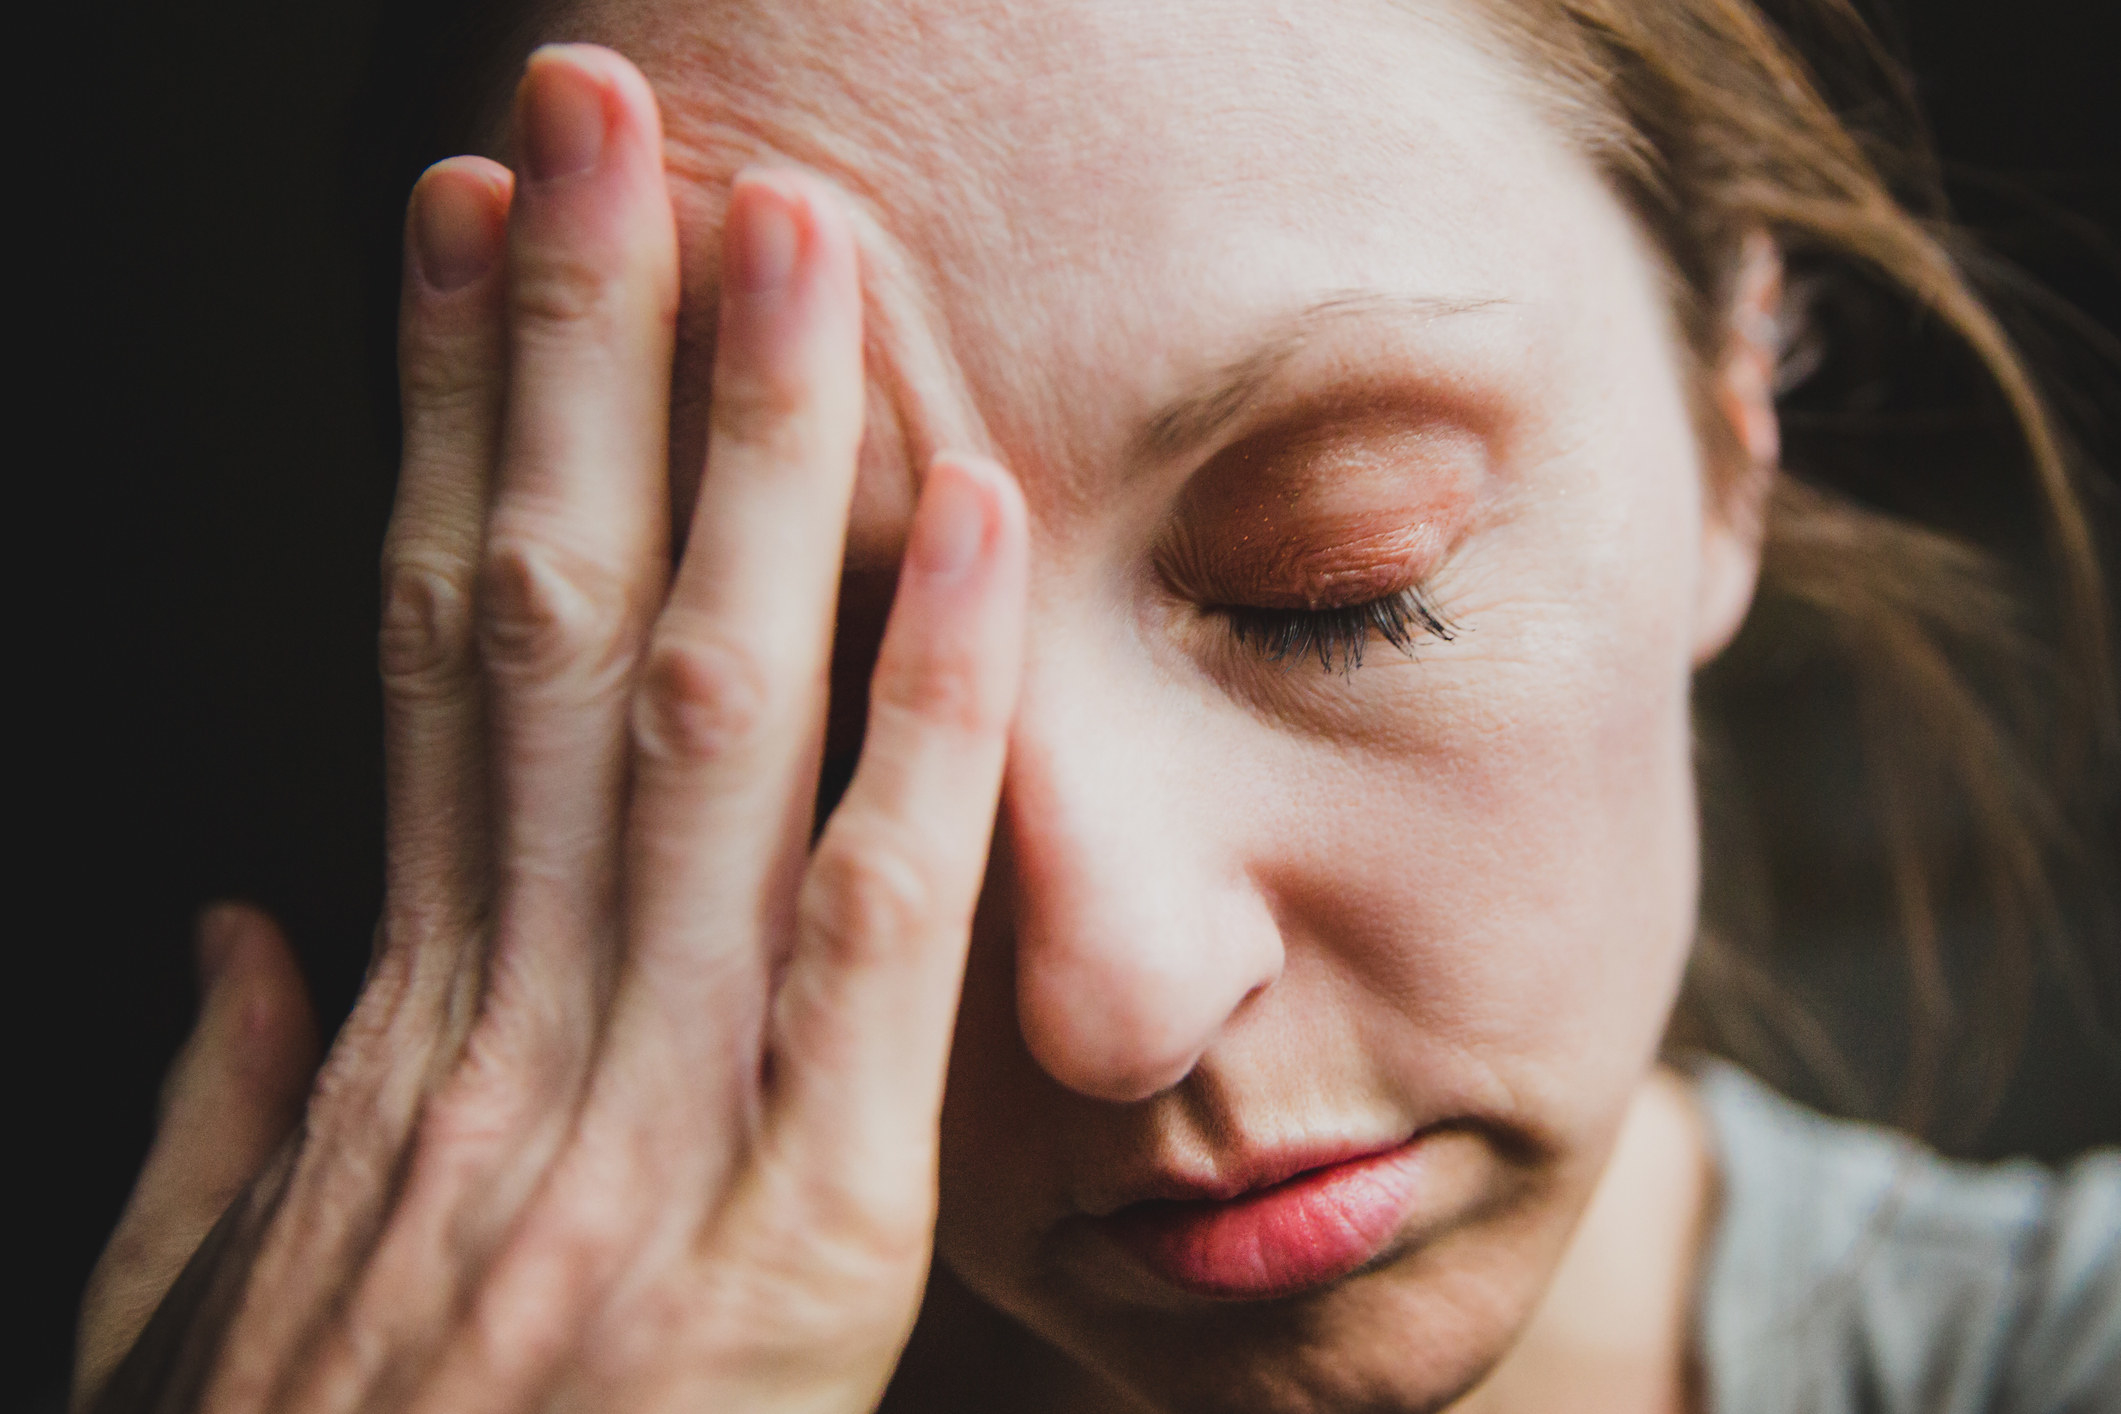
<point>1413,1328</point>
<point>1413,1335</point>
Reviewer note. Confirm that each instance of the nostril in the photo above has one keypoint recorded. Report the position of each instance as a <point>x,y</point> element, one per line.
<point>1132,1089</point>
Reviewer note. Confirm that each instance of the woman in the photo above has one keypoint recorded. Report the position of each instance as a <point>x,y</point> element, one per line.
<point>1233,502</point>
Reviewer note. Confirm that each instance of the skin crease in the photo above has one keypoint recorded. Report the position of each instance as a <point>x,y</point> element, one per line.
<point>1282,906</point>
<point>1247,340</point>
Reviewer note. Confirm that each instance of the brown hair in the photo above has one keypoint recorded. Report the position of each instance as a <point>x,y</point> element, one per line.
<point>1977,731</point>
<point>1895,605</point>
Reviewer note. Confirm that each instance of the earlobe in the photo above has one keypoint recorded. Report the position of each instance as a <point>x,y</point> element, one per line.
<point>1744,387</point>
<point>1730,569</point>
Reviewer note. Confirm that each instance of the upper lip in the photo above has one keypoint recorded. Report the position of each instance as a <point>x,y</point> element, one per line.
<point>1234,1175</point>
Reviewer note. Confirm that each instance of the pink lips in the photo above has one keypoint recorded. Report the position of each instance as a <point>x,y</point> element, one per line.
<point>1316,1227</point>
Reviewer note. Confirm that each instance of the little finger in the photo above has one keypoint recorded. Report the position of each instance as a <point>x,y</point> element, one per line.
<point>451,373</point>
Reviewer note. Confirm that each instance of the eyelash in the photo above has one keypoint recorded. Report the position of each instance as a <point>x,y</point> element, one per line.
<point>1337,636</point>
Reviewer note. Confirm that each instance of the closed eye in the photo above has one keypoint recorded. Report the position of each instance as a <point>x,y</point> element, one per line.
<point>1336,636</point>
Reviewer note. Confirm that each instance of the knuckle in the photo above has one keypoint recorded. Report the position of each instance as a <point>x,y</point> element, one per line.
<point>476,1109</point>
<point>354,1111</point>
<point>758,410</point>
<point>940,689</point>
<point>424,643</point>
<point>580,1226</point>
<point>565,291</point>
<point>862,898</point>
<point>547,615</point>
<point>838,1261</point>
<point>531,1314</point>
<point>700,701</point>
<point>441,378</point>
<point>869,1230</point>
<point>520,1062</point>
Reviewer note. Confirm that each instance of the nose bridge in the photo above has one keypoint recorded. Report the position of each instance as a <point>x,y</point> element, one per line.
<point>1137,934</point>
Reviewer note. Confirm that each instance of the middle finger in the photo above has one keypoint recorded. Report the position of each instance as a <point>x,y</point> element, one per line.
<point>576,546</point>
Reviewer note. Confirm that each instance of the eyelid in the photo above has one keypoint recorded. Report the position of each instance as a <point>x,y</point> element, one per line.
<point>1311,535</point>
<point>1324,513</point>
<point>1315,564</point>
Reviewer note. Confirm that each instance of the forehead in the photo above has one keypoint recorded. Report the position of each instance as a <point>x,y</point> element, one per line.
<point>1077,205</point>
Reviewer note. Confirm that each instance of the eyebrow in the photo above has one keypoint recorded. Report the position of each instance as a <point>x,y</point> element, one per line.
<point>1197,415</point>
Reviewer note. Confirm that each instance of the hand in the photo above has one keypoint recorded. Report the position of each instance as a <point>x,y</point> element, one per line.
<point>638,1108</point>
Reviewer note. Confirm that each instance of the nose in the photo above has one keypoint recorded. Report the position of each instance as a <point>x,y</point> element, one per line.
<point>1138,935</point>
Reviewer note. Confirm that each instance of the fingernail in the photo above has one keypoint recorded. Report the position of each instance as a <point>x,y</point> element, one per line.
<point>220,928</point>
<point>764,239</point>
<point>952,526</point>
<point>561,116</point>
<point>454,232</point>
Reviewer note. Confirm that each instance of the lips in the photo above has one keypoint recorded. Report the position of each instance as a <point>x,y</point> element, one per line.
<point>1306,1231</point>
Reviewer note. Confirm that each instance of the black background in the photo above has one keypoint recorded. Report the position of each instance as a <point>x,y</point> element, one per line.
<point>202,473</point>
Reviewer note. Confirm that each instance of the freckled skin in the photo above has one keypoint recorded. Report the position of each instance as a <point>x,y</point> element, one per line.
<point>1236,904</point>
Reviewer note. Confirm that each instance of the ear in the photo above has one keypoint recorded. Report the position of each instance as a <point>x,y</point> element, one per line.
<point>1743,387</point>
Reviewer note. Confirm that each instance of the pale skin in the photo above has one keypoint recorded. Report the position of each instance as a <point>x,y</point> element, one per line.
<point>1093,336</point>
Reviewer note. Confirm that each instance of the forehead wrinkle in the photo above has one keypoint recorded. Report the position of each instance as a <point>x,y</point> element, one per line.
<point>982,139</point>
<point>918,370</point>
<point>843,85</point>
<point>909,340</point>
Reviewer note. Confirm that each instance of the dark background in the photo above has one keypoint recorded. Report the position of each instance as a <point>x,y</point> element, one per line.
<point>205,473</point>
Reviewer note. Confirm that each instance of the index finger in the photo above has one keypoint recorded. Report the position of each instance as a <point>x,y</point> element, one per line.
<point>862,1021</point>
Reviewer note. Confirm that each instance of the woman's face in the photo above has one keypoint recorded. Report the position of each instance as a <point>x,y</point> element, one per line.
<point>1275,311</point>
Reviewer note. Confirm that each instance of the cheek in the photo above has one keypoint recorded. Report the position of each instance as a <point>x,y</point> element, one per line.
<point>1515,870</point>
<point>1523,886</point>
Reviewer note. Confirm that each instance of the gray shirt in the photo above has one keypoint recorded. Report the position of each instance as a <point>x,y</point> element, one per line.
<point>1854,1272</point>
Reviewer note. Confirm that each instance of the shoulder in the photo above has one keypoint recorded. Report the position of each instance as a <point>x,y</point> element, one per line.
<point>1853,1270</point>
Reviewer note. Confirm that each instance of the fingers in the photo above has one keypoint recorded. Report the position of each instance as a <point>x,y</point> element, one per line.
<point>863,1019</point>
<point>407,1024</point>
<point>536,474</point>
<point>232,1095</point>
<point>575,551</point>
<point>730,706</point>
<point>451,368</point>
<point>571,561</point>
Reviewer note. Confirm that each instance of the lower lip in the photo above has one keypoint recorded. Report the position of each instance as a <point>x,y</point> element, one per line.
<point>1315,1228</point>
